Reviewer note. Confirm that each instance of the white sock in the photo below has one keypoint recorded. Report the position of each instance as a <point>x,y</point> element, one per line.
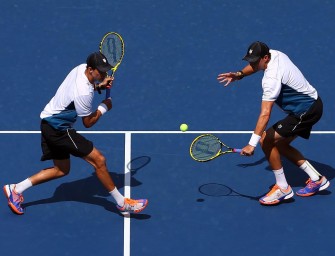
<point>280,178</point>
<point>311,172</point>
<point>119,199</point>
<point>23,185</point>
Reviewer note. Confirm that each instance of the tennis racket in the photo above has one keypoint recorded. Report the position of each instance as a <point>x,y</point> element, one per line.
<point>112,46</point>
<point>206,147</point>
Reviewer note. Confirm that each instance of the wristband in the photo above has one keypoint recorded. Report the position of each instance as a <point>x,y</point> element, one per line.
<point>240,75</point>
<point>102,108</point>
<point>254,140</point>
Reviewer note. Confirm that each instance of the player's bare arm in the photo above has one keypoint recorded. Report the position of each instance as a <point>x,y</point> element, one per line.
<point>262,122</point>
<point>90,120</point>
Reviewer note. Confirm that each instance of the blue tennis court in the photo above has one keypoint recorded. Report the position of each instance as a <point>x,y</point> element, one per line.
<point>174,51</point>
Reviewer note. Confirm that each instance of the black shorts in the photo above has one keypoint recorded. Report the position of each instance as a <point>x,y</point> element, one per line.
<point>294,125</point>
<point>61,144</point>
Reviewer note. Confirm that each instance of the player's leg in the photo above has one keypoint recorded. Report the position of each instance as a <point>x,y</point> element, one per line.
<point>77,145</point>
<point>125,205</point>
<point>296,157</point>
<point>268,144</point>
<point>281,190</point>
<point>98,161</point>
<point>60,169</point>
<point>13,192</point>
<point>52,144</point>
<point>316,181</point>
<point>291,127</point>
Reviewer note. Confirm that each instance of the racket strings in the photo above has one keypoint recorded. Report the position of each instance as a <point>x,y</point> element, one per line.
<point>205,148</point>
<point>112,48</point>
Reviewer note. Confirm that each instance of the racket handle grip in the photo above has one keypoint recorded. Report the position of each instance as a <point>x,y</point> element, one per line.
<point>237,150</point>
<point>108,93</point>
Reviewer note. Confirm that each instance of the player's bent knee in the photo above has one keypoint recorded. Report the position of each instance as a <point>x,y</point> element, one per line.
<point>62,167</point>
<point>267,143</point>
<point>62,171</point>
<point>96,159</point>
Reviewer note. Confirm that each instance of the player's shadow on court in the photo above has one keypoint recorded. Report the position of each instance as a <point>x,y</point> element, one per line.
<point>295,176</point>
<point>91,191</point>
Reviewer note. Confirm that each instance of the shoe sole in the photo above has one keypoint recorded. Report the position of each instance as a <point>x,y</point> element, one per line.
<point>323,187</point>
<point>290,195</point>
<point>10,205</point>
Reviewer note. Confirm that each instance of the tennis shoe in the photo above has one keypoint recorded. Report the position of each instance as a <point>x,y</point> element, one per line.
<point>133,206</point>
<point>313,186</point>
<point>14,199</point>
<point>276,195</point>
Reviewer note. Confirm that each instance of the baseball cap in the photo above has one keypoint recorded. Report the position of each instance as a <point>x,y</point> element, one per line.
<point>256,51</point>
<point>98,61</point>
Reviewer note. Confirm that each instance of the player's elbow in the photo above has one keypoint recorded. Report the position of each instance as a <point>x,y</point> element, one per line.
<point>87,125</point>
<point>87,122</point>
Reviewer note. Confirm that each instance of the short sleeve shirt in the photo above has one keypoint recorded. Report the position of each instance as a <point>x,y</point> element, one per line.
<point>284,83</point>
<point>73,98</point>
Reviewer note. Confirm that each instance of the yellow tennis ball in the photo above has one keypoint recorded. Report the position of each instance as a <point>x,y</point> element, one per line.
<point>183,127</point>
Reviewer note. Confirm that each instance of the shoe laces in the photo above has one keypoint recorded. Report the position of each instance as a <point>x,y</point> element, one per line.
<point>21,198</point>
<point>310,183</point>
<point>17,196</point>
<point>130,202</point>
<point>274,188</point>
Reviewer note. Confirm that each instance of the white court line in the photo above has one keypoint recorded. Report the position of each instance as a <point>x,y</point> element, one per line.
<point>127,185</point>
<point>153,132</point>
<point>135,132</point>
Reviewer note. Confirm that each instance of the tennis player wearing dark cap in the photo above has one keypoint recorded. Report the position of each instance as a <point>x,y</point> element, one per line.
<point>59,139</point>
<point>283,84</point>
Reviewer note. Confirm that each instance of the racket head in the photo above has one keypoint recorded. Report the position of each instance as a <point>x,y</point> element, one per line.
<point>112,46</point>
<point>205,148</point>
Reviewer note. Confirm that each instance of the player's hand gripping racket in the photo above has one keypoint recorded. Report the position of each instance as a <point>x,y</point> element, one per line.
<point>112,47</point>
<point>206,147</point>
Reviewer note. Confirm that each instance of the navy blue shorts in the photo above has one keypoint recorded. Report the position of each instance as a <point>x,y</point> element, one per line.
<point>60,145</point>
<point>300,125</point>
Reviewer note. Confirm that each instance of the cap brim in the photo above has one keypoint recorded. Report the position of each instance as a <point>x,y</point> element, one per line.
<point>104,68</point>
<point>251,58</point>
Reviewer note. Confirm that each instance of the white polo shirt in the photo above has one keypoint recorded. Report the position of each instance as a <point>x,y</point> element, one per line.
<point>284,83</point>
<point>73,98</point>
